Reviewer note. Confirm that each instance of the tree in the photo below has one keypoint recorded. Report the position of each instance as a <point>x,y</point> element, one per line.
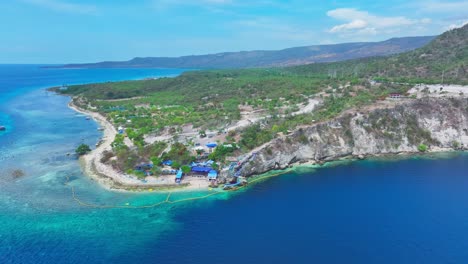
<point>82,149</point>
<point>422,148</point>
<point>185,169</point>
<point>175,165</point>
<point>156,161</point>
<point>202,133</point>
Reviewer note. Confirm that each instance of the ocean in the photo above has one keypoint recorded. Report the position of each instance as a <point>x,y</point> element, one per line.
<point>406,210</point>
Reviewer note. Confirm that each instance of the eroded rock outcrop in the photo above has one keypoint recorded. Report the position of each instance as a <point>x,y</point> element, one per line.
<point>439,123</point>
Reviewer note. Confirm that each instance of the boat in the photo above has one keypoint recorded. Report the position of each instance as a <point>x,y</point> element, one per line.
<point>2,128</point>
<point>88,118</point>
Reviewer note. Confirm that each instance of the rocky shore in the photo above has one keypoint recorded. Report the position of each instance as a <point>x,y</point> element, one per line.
<point>440,124</point>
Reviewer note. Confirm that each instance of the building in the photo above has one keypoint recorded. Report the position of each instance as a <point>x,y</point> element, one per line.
<point>212,175</point>
<point>395,96</point>
<point>178,176</point>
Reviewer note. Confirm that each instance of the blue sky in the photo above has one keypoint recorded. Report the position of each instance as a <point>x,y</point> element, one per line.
<point>61,31</point>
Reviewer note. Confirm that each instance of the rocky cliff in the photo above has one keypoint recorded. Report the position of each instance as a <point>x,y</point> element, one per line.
<point>439,123</point>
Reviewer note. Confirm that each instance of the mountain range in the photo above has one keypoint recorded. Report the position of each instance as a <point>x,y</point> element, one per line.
<point>265,58</point>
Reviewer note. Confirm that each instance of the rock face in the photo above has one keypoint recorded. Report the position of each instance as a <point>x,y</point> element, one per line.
<point>440,124</point>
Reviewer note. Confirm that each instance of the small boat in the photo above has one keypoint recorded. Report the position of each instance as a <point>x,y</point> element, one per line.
<point>88,118</point>
<point>2,128</point>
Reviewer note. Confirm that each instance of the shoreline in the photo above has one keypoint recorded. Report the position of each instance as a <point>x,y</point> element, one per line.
<point>113,180</point>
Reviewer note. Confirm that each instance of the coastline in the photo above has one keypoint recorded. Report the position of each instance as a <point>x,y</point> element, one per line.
<point>110,179</point>
<point>114,180</point>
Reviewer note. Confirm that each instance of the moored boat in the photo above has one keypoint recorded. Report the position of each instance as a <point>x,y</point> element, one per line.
<point>2,128</point>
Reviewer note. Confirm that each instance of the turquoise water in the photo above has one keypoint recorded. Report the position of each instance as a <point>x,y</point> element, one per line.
<point>375,211</point>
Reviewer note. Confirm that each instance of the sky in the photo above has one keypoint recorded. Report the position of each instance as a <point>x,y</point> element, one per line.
<point>74,31</point>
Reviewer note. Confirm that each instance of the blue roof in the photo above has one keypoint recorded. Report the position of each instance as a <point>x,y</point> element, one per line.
<point>179,174</point>
<point>211,145</point>
<point>201,169</point>
<point>212,174</point>
<point>144,166</point>
<point>167,162</point>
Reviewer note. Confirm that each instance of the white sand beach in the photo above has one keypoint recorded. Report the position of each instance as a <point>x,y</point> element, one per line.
<point>112,179</point>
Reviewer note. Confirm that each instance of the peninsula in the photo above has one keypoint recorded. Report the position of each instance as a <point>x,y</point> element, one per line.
<point>214,129</point>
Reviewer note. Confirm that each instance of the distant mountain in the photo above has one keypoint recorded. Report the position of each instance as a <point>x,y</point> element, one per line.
<point>443,60</point>
<point>286,57</point>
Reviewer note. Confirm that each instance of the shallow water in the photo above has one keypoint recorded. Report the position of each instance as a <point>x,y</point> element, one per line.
<point>413,210</point>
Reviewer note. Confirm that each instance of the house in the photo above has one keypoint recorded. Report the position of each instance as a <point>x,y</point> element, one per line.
<point>143,167</point>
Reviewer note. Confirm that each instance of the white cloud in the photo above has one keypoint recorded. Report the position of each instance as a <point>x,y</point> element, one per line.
<point>63,6</point>
<point>458,25</point>
<point>355,24</point>
<point>364,23</point>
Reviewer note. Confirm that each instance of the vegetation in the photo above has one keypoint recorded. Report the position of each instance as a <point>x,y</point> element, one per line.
<point>179,154</point>
<point>82,149</point>
<point>422,148</point>
<point>220,153</point>
<point>212,100</point>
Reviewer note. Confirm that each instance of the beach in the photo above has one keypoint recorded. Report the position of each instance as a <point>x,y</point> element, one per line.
<point>111,179</point>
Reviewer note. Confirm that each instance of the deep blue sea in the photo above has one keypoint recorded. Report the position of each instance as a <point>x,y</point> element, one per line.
<point>412,210</point>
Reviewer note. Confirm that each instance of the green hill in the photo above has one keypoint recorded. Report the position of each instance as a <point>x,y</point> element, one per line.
<point>444,59</point>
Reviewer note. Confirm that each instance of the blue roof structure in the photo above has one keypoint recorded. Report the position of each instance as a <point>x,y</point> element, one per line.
<point>143,167</point>
<point>179,174</point>
<point>212,175</point>
<point>167,162</point>
<point>211,145</point>
<point>201,169</point>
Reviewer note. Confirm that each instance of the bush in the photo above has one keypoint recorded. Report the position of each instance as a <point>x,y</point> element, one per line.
<point>185,169</point>
<point>422,148</point>
<point>175,165</point>
<point>254,136</point>
<point>82,149</point>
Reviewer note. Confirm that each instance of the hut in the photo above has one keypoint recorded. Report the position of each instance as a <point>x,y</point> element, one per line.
<point>178,176</point>
<point>167,162</point>
<point>395,95</point>
<point>212,175</point>
<point>144,167</point>
<point>211,145</point>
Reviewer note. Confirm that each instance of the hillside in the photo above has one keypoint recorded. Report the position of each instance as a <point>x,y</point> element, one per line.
<point>249,108</point>
<point>445,59</point>
<point>262,58</point>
